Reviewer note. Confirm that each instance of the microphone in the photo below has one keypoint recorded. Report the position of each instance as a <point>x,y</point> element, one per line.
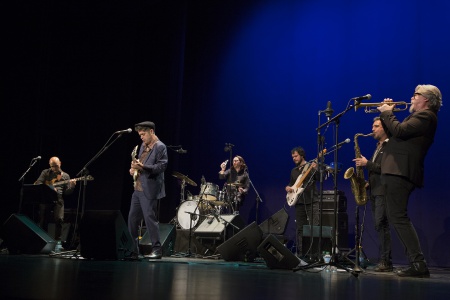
<point>181,151</point>
<point>329,111</point>
<point>124,131</point>
<point>228,147</point>
<point>37,158</point>
<point>365,97</point>
<point>347,140</point>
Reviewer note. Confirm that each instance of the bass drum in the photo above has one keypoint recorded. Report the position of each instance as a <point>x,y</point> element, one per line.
<point>184,214</point>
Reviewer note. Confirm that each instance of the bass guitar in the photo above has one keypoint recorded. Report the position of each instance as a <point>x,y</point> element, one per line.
<point>292,197</point>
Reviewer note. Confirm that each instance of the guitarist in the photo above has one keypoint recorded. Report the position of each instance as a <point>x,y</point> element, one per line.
<point>50,176</point>
<point>307,206</point>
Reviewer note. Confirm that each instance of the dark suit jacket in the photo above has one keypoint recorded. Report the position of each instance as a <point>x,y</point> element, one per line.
<point>374,168</point>
<point>152,177</point>
<point>408,144</point>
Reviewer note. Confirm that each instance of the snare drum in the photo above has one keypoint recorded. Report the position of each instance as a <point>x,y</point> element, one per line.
<point>209,191</point>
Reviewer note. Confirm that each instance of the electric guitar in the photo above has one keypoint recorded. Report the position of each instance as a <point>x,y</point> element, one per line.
<point>292,197</point>
<point>55,184</point>
<point>133,158</point>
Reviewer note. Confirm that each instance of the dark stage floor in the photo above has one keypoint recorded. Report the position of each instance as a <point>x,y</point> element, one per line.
<point>177,277</point>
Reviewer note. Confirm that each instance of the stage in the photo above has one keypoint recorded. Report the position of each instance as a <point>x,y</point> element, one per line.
<point>179,277</point>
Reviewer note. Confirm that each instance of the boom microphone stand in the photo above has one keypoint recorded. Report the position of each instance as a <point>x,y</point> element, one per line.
<point>333,260</point>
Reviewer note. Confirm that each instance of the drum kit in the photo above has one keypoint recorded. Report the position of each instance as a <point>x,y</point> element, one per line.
<point>211,201</point>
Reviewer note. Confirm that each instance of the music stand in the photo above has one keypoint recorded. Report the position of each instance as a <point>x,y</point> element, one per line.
<point>39,194</point>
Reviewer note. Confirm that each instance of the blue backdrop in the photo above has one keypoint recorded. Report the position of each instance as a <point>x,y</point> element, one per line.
<point>254,74</point>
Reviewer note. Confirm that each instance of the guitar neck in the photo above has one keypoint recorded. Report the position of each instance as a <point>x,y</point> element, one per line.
<point>67,181</point>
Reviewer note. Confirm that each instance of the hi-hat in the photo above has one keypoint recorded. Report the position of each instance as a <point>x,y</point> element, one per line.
<point>184,177</point>
<point>234,184</point>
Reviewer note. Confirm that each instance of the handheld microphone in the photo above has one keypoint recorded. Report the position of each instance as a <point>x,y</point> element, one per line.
<point>124,131</point>
<point>365,97</point>
<point>347,140</point>
<point>328,111</point>
<point>37,158</point>
<point>181,151</point>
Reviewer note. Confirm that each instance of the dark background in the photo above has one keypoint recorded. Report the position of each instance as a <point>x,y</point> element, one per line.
<point>252,73</point>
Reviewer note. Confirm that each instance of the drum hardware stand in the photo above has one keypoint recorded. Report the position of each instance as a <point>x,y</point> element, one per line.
<point>336,119</point>
<point>191,215</point>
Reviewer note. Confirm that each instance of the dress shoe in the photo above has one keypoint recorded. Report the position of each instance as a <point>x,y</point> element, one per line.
<point>384,267</point>
<point>156,253</point>
<point>416,269</point>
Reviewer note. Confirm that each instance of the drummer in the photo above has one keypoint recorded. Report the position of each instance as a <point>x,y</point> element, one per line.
<point>237,181</point>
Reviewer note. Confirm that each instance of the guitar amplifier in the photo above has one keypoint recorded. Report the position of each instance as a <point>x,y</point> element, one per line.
<point>328,201</point>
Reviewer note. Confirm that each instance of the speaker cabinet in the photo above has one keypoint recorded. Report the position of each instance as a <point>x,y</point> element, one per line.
<point>329,234</point>
<point>276,224</point>
<point>167,238</point>
<point>276,255</point>
<point>243,245</point>
<point>104,235</point>
<point>328,201</point>
<point>22,236</point>
<point>221,228</point>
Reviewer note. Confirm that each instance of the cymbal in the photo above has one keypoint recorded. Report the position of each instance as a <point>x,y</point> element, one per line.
<point>217,203</point>
<point>184,177</point>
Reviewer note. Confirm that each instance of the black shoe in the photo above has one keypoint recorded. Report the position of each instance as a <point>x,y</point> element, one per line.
<point>156,253</point>
<point>416,269</point>
<point>384,267</point>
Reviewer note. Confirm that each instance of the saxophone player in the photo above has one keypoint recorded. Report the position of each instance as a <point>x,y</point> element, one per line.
<point>377,199</point>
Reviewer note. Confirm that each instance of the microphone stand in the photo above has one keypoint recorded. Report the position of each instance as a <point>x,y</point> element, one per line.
<point>258,198</point>
<point>84,171</point>
<point>22,179</point>
<point>334,261</point>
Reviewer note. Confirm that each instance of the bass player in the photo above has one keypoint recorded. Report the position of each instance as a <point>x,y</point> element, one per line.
<point>306,200</point>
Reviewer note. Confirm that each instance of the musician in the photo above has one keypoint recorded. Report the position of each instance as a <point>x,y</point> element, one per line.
<point>307,206</point>
<point>50,176</point>
<point>238,181</point>
<point>149,186</point>
<point>402,166</point>
<point>378,201</point>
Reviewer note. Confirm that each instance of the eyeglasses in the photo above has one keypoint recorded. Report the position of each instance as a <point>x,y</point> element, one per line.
<point>418,94</point>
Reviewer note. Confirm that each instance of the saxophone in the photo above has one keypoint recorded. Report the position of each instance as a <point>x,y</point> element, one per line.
<point>357,181</point>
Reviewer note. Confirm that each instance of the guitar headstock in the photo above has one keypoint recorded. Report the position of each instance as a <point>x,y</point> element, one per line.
<point>134,152</point>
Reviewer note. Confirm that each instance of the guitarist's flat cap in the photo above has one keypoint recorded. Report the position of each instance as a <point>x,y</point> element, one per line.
<point>148,124</point>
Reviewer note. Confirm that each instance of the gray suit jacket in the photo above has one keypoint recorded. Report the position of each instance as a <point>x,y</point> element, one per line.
<point>408,145</point>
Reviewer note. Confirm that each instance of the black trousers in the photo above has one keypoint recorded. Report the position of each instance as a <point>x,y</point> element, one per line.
<point>379,213</point>
<point>397,192</point>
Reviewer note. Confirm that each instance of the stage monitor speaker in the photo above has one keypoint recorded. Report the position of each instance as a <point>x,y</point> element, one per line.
<point>104,235</point>
<point>221,228</point>
<point>167,239</point>
<point>22,236</point>
<point>276,255</point>
<point>243,245</point>
<point>276,224</point>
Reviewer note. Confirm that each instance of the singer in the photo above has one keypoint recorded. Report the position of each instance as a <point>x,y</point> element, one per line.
<point>402,166</point>
<point>307,206</point>
<point>237,182</point>
<point>50,176</point>
<point>149,187</point>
